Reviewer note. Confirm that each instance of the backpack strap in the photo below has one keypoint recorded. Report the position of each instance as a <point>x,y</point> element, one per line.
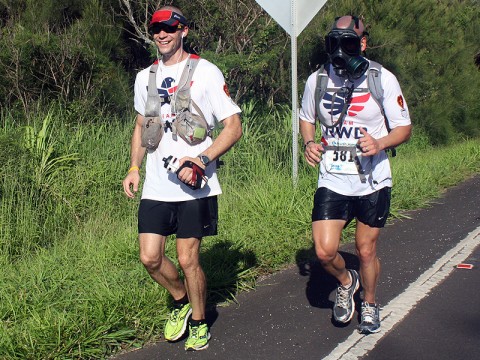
<point>375,84</point>
<point>320,89</point>
<point>184,84</point>
<point>374,80</point>
<point>182,100</point>
<point>152,107</point>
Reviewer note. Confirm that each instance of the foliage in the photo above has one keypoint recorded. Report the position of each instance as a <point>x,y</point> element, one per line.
<point>72,284</point>
<point>85,54</point>
<point>430,46</point>
<point>34,153</point>
<point>61,51</point>
<point>433,62</point>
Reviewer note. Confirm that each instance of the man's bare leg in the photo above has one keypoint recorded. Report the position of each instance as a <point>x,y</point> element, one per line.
<point>366,243</point>
<point>160,267</point>
<point>326,237</point>
<point>188,251</point>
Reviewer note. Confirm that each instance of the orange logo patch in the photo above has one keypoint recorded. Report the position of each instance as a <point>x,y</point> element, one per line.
<point>400,101</point>
<point>225,88</point>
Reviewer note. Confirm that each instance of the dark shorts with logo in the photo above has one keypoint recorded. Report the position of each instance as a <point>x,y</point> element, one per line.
<point>372,209</point>
<point>193,218</point>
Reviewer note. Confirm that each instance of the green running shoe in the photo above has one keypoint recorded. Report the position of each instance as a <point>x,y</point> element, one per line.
<point>177,323</point>
<point>198,338</point>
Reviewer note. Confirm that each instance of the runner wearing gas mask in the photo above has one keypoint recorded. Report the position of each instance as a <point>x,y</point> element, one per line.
<point>355,179</point>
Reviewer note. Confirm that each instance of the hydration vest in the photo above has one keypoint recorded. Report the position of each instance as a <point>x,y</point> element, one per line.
<point>374,86</point>
<point>192,128</point>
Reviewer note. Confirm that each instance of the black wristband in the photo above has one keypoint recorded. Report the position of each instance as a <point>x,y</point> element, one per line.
<point>306,144</point>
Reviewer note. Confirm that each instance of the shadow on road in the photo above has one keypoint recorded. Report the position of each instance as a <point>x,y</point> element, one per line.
<point>321,286</point>
<point>226,268</point>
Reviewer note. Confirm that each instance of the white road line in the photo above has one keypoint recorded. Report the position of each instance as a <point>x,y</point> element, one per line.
<point>357,345</point>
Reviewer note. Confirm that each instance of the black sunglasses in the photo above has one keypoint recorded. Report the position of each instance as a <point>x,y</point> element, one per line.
<point>348,42</point>
<point>158,27</point>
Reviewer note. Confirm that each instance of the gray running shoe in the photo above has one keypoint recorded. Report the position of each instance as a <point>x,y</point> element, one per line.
<point>370,319</point>
<point>344,304</point>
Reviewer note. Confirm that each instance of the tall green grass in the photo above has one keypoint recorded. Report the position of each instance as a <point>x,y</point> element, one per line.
<point>71,283</point>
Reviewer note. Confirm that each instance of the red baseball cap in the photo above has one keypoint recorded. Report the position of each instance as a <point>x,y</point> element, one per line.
<point>168,17</point>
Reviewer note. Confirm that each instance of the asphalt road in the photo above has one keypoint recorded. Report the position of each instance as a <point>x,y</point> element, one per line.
<point>288,316</point>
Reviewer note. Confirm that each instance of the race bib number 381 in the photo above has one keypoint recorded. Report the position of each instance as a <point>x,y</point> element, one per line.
<point>341,160</point>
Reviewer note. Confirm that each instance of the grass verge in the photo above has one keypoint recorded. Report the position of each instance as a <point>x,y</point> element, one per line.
<point>72,284</point>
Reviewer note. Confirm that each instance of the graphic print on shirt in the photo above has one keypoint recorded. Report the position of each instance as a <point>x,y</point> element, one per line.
<point>167,90</point>
<point>343,161</point>
<point>357,104</point>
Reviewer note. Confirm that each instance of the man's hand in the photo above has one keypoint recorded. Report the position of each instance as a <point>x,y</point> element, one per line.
<point>186,174</point>
<point>130,183</point>
<point>313,153</point>
<point>368,144</point>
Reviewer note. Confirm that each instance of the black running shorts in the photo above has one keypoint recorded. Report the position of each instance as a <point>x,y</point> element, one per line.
<point>372,209</point>
<point>194,218</point>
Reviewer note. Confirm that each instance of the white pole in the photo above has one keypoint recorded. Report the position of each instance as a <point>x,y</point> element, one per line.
<point>293,35</point>
<point>279,11</point>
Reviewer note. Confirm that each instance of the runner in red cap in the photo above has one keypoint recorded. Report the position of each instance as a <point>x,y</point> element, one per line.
<point>171,204</point>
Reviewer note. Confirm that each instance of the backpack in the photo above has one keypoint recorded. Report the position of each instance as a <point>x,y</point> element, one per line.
<point>374,86</point>
<point>192,128</point>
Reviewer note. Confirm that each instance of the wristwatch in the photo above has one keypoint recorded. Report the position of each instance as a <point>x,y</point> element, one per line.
<point>204,159</point>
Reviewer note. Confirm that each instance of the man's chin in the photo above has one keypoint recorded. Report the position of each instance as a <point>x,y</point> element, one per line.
<point>166,52</point>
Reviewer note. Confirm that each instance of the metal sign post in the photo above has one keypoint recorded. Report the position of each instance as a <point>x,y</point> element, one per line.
<point>293,16</point>
<point>295,125</point>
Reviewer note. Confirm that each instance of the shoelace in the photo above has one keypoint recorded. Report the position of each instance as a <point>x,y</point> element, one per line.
<point>368,313</point>
<point>194,332</point>
<point>174,315</point>
<point>342,297</point>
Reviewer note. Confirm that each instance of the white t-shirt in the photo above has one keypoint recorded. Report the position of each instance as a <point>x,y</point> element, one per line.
<point>210,93</point>
<point>338,171</point>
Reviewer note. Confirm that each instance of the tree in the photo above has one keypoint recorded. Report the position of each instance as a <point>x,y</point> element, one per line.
<point>85,54</point>
<point>63,51</point>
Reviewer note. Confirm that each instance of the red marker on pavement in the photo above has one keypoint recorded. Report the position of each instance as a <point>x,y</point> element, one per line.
<point>465,266</point>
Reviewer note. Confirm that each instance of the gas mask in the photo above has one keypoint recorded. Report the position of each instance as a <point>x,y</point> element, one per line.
<point>344,48</point>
